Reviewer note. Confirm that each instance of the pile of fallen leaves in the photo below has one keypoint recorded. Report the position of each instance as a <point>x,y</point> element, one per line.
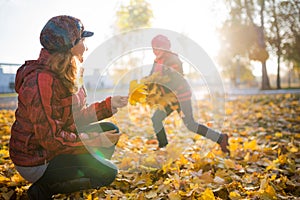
<point>264,162</point>
<point>148,92</point>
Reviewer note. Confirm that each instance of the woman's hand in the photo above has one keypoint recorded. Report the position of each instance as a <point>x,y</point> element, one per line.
<point>118,102</point>
<point>104,139</point>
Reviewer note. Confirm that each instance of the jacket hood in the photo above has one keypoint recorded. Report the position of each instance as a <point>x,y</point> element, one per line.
<point>31,66</point>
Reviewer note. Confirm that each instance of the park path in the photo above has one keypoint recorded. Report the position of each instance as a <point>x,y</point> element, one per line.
<point>11,102</point>
<point>259,92</point>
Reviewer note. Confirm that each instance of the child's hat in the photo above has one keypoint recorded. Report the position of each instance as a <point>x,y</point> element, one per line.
<point>161,42</point>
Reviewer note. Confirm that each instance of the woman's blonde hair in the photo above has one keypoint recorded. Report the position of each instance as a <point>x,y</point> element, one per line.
<point>65,66</point>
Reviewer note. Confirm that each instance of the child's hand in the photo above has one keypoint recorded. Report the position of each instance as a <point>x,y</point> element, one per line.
<point>104,139</point>
<point>118,102</point>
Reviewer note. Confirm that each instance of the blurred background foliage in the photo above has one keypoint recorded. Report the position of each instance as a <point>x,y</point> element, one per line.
<point>253,31</point>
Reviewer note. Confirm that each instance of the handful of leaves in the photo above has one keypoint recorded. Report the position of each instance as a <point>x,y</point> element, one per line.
<point>150,91</point>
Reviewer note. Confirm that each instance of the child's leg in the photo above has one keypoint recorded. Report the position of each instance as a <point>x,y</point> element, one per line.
<point>201,129</point>
<point>157,121</point>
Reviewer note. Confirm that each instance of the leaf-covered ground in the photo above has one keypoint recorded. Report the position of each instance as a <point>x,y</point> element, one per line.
<point>264,162</point>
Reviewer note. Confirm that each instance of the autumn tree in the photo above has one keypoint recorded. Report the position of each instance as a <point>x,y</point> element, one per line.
<point>239,71</point>
<point>284,23</point>
<point>290,20</point>
<point>243,33</point>
<point>236,39</point>
<point>292,55</point>
<point>135,15</point>
<point>275,36</point>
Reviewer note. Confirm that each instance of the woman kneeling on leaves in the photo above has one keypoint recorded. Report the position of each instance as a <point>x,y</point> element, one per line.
<point>51,129</point>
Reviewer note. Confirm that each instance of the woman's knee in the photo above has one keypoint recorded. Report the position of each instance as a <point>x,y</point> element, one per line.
<point>112,176</point>
<point>106,178</point>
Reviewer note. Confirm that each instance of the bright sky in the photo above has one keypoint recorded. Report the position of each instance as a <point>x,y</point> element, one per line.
<point>21,22</point>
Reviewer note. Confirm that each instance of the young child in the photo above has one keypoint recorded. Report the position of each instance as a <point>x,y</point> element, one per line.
<point>168,64</point>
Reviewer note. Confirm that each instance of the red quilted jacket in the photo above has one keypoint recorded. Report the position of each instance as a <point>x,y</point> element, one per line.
<point>171,66</point>
<point>44,125</point>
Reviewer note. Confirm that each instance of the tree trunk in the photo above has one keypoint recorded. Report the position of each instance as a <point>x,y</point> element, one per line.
<point>278,73</point>
<point>277,42</point>
<point>265,79</point>
<point>265,85</point>
<point>289,78</point>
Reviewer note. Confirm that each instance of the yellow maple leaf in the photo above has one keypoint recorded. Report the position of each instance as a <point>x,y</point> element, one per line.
<point>206,177</point>
<point>167,166</point>
<point>228,111</point>
<point>266,191</point>
<point>149,92</point>
<point>137,92</point>
<point>174,196</point>
<point>234,195</point>
<point>4,179</point>
<point>229,163</point>
<point>183,160</point>
<point>207,195</point>
<point>292,148</point>
<point>252,145</point>
<point>278,134</point>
